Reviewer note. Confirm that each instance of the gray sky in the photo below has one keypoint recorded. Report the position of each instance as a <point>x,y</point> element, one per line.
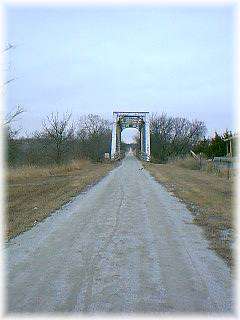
<point>177,60</point>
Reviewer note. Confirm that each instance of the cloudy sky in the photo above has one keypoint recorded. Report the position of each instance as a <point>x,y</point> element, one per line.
<point>177,60</point>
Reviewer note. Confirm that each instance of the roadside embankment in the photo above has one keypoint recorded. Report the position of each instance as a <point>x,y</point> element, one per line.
<point>33,193</point>
<point>207,196</point>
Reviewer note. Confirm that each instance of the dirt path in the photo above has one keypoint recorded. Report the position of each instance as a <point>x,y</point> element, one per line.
<point>126,245</point>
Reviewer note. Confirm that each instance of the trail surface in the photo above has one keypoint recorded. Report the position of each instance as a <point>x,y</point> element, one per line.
<point>126,245</point>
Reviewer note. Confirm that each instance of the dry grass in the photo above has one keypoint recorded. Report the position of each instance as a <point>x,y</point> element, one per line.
<point>187,163</point>
<point>34,193</point>
<point>209,198</point>
<point>206,165</point>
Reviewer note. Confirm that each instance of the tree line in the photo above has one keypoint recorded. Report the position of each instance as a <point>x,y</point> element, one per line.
<point>61,139</point>
<point>218,146</point>
<point>173,136</point>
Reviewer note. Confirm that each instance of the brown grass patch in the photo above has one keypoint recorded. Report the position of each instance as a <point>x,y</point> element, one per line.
<point>33,193</point>
<point>205,165</point>
<point>207,196</point>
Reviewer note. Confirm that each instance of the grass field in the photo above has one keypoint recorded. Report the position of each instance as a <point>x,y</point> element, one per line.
<point>209,198</point>
<point>33,193</point>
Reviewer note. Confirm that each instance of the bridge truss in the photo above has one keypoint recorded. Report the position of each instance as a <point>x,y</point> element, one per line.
<point>138,120</point>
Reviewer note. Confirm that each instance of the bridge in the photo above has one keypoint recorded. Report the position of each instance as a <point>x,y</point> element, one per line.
<point>138,120</point>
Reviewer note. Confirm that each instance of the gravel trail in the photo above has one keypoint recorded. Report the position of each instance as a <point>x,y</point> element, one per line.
<point>126,245</point>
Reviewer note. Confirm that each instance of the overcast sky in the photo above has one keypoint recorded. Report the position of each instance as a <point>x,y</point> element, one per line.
<point>177,60</point>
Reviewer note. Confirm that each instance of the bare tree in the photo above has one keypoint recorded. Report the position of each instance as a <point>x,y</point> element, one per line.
<point>9,46</point>
<point>6,49</point>
<point>93,124</point>
<point>58,131</point>
<point>11,116</point>
<point>11,134</point>
<point>173,136</point>
<point>94,136</point>
<point>10,119</point>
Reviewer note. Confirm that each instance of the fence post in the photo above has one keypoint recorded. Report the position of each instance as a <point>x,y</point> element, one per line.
<point>228,170</point>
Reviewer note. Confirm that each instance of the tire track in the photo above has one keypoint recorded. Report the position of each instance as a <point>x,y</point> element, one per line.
<point>96,259</point>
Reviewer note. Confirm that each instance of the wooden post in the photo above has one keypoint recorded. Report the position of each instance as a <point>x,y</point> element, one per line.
<point>228,171</point>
